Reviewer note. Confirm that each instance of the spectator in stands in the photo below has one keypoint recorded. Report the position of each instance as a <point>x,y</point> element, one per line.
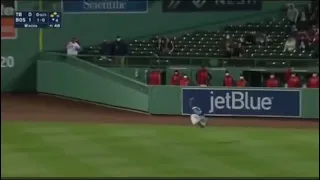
<point>228,45</point>
<point>260,38</point>
<point>119,50</point>
<point>315,41</point>
<point>73,47</point>
<point>304,34</point>
<point>154,77</point>
<point>303,43</point>
<point>304,40</point>
<point>238,51</point>
<point>203,77</point>
<point>294,81</point>
<point>241,40</point>
<point>228,80</point>
<point>267,39</point>
<point>290,45</point>
<point>165,46</point>
<point>313,81</point>
<point>263,39</point>
<point>242,82</point>
<point>105,48</point>
<point>293,32</point>
<point>313,12</point>
<point>309,12</point>
<point>292,14</point>
<point>315,38</point>
<point>250,38</point>
<point>314,31</point>
<point>272,81</point>
<point>184,81</point>
<point>303,23</point>
<point>175,79</point>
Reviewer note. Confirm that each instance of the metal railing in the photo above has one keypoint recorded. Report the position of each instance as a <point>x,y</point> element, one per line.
<point>197,61</point>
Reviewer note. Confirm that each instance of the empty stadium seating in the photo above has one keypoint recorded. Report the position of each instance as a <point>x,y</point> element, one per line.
<point>209,44</point>
<point>206,44</point>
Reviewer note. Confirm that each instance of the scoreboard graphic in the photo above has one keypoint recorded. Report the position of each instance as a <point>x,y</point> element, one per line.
<point>37,19</point>
<point>8,30</point>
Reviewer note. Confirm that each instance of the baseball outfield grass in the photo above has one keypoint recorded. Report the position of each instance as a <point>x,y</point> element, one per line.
<point>63,149</point>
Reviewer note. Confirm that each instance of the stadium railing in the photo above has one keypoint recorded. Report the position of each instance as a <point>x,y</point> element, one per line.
<point>197,61</point>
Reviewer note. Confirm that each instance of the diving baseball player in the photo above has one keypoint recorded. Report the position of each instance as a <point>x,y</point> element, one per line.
<point>197,117</point>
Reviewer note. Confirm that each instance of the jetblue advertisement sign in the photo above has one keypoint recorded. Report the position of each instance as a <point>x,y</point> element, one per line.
<point>242,102</point>
<point>210,5</point>
<point>104,6</point>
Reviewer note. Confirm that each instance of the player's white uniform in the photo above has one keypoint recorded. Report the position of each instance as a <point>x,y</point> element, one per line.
<point>197,117</point>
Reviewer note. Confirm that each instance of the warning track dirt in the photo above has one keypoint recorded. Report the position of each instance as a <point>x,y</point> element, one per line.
<point>49,108</point>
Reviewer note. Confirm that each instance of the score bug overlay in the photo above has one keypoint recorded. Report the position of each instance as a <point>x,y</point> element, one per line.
<point>55,20</point>
<point>37,19</point>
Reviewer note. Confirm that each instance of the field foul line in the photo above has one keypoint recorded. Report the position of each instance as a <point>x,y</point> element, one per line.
<point>97,104</point>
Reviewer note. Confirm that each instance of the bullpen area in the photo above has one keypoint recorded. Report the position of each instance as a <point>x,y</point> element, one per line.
<point>44,136</point>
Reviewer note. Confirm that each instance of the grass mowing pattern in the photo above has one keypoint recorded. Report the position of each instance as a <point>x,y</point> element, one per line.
<point>63,149</point>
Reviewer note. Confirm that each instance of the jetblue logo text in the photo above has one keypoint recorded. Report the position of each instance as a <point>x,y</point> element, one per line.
<point>218,102</point>
<point>239,100</point>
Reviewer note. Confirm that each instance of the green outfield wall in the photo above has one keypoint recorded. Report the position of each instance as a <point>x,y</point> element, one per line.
<point>93,28</point>
<point>78,79</point>
<point>81,81</point>
<point>310,103</point>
